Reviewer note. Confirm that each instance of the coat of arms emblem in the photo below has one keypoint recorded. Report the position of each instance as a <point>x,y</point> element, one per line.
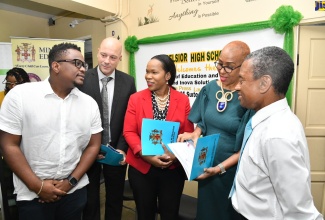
<point>203,155</point>
<point>26,52</point>
<point>155,136</point>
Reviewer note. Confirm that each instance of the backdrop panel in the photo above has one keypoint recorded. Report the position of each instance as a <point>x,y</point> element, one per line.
<point>194,57</point>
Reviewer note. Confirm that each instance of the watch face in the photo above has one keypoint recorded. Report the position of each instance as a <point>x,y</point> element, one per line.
<point>73,181</point>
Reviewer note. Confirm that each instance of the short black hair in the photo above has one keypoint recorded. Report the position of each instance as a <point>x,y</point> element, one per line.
<point>168,65</point>
<point>276,63</point>
<point>58,50</point>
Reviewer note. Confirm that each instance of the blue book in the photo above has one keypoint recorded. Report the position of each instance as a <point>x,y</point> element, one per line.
<point>155,132</point>
<point>195,159</point>
<point>112,156</point>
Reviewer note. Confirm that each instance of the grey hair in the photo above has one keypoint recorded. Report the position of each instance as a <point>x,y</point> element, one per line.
<point>276,63</point>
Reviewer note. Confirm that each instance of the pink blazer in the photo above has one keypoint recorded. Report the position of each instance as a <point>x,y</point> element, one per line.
<point>139,107</point>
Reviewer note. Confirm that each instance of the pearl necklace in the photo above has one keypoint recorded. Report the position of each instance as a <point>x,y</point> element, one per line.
<point>162,102</point>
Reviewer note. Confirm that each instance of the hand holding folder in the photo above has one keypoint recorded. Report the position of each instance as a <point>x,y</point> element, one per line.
<point>112,156</point>
<point>195,159</point>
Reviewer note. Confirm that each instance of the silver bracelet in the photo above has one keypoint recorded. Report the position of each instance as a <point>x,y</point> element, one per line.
<point>222,168</point>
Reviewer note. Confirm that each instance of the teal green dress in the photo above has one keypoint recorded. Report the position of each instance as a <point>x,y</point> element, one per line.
<point>213,202</point>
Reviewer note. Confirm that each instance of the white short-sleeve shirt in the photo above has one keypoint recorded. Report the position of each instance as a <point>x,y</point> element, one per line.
<point>54,131</point>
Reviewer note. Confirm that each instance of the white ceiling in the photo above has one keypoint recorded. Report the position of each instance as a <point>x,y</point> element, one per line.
<point>32,8</point>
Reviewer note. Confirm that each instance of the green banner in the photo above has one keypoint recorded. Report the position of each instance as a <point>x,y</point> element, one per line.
<point>3,71</point>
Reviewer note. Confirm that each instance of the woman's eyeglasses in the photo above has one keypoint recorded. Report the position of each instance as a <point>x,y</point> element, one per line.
<point>8,84</point>
<point>78,63</point>
<point>227,69</point>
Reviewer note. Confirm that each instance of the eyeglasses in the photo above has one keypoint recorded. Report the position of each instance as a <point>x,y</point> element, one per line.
<point>10,83</point>
<point>78,63</point>
<point>228,69</point>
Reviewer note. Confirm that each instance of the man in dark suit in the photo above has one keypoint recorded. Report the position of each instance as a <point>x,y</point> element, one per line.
<point>119,89</point>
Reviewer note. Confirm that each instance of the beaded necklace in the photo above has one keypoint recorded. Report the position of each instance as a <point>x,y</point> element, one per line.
<point>161,102</point>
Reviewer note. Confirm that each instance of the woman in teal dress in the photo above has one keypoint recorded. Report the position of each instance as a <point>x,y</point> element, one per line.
<point>217,110</point>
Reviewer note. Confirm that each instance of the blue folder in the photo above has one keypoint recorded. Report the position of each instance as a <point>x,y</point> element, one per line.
<point>155,132</point>
<point>195,159</point>
<point>205,152</point>
<point>112,156</point>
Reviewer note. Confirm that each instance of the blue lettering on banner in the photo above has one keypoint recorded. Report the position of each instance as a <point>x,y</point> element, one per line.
<point>319,5</point>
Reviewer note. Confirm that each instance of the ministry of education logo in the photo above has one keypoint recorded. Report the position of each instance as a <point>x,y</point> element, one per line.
<point>155,136</point>
<point>25,52</point>
<point>203,155</point>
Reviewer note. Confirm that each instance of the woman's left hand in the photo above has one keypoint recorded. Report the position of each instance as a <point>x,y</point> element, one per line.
<point>211,171</point>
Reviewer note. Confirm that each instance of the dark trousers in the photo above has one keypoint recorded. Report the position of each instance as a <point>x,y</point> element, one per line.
<point>158,186</point>
<point>69,207</point>
<point>114,177</point>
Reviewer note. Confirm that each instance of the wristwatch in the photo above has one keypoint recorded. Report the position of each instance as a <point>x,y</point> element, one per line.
<point>73,181</point>
<point>222,168</point>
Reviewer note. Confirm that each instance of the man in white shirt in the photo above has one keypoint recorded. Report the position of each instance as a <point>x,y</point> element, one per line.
<point>273,178</point>
<point>50,136</point>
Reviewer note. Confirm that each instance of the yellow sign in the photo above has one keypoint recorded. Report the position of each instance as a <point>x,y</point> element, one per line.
<point>31,54</point>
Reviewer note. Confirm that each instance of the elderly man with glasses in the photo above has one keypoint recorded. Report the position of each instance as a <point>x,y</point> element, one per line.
<point>50,135</point>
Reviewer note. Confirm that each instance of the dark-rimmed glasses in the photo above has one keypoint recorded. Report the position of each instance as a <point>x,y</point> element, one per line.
<point>78,63</point>
<point>227,69</point>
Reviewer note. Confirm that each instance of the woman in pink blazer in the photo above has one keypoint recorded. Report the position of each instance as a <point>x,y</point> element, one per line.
<point>157,178</point>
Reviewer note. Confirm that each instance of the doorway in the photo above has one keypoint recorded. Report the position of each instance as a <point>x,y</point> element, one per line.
<point>310,103</point>
<point>88,53</point>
